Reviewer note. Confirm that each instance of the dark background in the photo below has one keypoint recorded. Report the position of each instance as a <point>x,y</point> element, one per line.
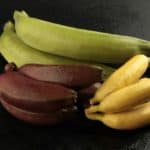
<point>131,17</point>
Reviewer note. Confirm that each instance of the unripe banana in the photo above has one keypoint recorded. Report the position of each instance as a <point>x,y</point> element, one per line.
<point>14,47</point>
<point>14,50</point>
<point>127,74</point>
<point>124,98</point>
<point>136,118</point>
<point>77,43</point>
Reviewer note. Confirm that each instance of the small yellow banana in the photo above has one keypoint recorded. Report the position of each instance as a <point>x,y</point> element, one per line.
<point>135,118</point>
<point>127,74</point>
<point>124,98</point>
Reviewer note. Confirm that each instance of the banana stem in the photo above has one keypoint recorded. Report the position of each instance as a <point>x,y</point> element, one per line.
<point>94,116</point>
<point>93,109</point>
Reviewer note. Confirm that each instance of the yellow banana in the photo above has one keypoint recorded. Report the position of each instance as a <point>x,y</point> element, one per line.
<point>124,98</point>
<point>135,118</point>
<point>77,43</point>
<point>14,50</point>
<point>127,74</point>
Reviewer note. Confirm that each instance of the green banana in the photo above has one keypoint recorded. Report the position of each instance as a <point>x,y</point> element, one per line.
<point>77,43</point>
<point>14,50</point>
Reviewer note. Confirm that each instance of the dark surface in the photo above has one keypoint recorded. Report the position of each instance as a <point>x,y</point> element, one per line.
<point>114,16</point>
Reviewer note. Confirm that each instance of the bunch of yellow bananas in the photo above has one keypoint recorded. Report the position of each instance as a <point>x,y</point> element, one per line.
<point>122,102</point>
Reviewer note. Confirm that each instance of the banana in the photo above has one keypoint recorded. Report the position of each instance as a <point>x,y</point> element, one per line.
<point>127,74</point>
<point>125,98</point>
<point>34,95</point>
<point>40,118</point>
<point>135,118</point>
<point>14,50</point>
<point>73,76</point>
<point>14,47</point>
<point>77,43</point>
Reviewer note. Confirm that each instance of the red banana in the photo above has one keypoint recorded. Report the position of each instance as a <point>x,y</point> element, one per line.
<point>30,94</point>
<point>39,118</point>
<point>73,76</point>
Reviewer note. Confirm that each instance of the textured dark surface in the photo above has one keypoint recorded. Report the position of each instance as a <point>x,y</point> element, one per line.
<point>114,16</point>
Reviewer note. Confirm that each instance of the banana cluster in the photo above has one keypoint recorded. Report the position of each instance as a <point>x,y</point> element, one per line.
<point>46,94</point>
<point>79,44</point>
<point>122,101</point>
<point>76,58</point>
<point>32,40</point>
<point>12,47</point>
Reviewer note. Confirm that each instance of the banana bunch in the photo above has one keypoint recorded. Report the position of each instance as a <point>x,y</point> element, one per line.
<point>122,101</point>
<point>77,43</point>
<point>15,50</point>
<point>33,40</point>
<point>45,94</point>
<point>34,101</point>
<point>58,66</point>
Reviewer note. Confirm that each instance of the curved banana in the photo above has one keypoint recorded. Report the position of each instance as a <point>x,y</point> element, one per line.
<point>14,50</point>
<point>77,43</point>
<point>124,98</point>
<point>13,47</point>
<point>136,118</point>
<point>127,74</point>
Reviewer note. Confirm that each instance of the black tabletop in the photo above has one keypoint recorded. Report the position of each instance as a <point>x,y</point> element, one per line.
<point>114,16</point>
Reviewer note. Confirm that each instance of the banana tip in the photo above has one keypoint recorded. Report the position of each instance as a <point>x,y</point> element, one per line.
<point>8,25</point>
<point>18,14</point>
<point>93,101</point>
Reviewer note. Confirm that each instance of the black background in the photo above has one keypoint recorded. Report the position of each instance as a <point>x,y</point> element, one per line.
<point>130,17</point>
